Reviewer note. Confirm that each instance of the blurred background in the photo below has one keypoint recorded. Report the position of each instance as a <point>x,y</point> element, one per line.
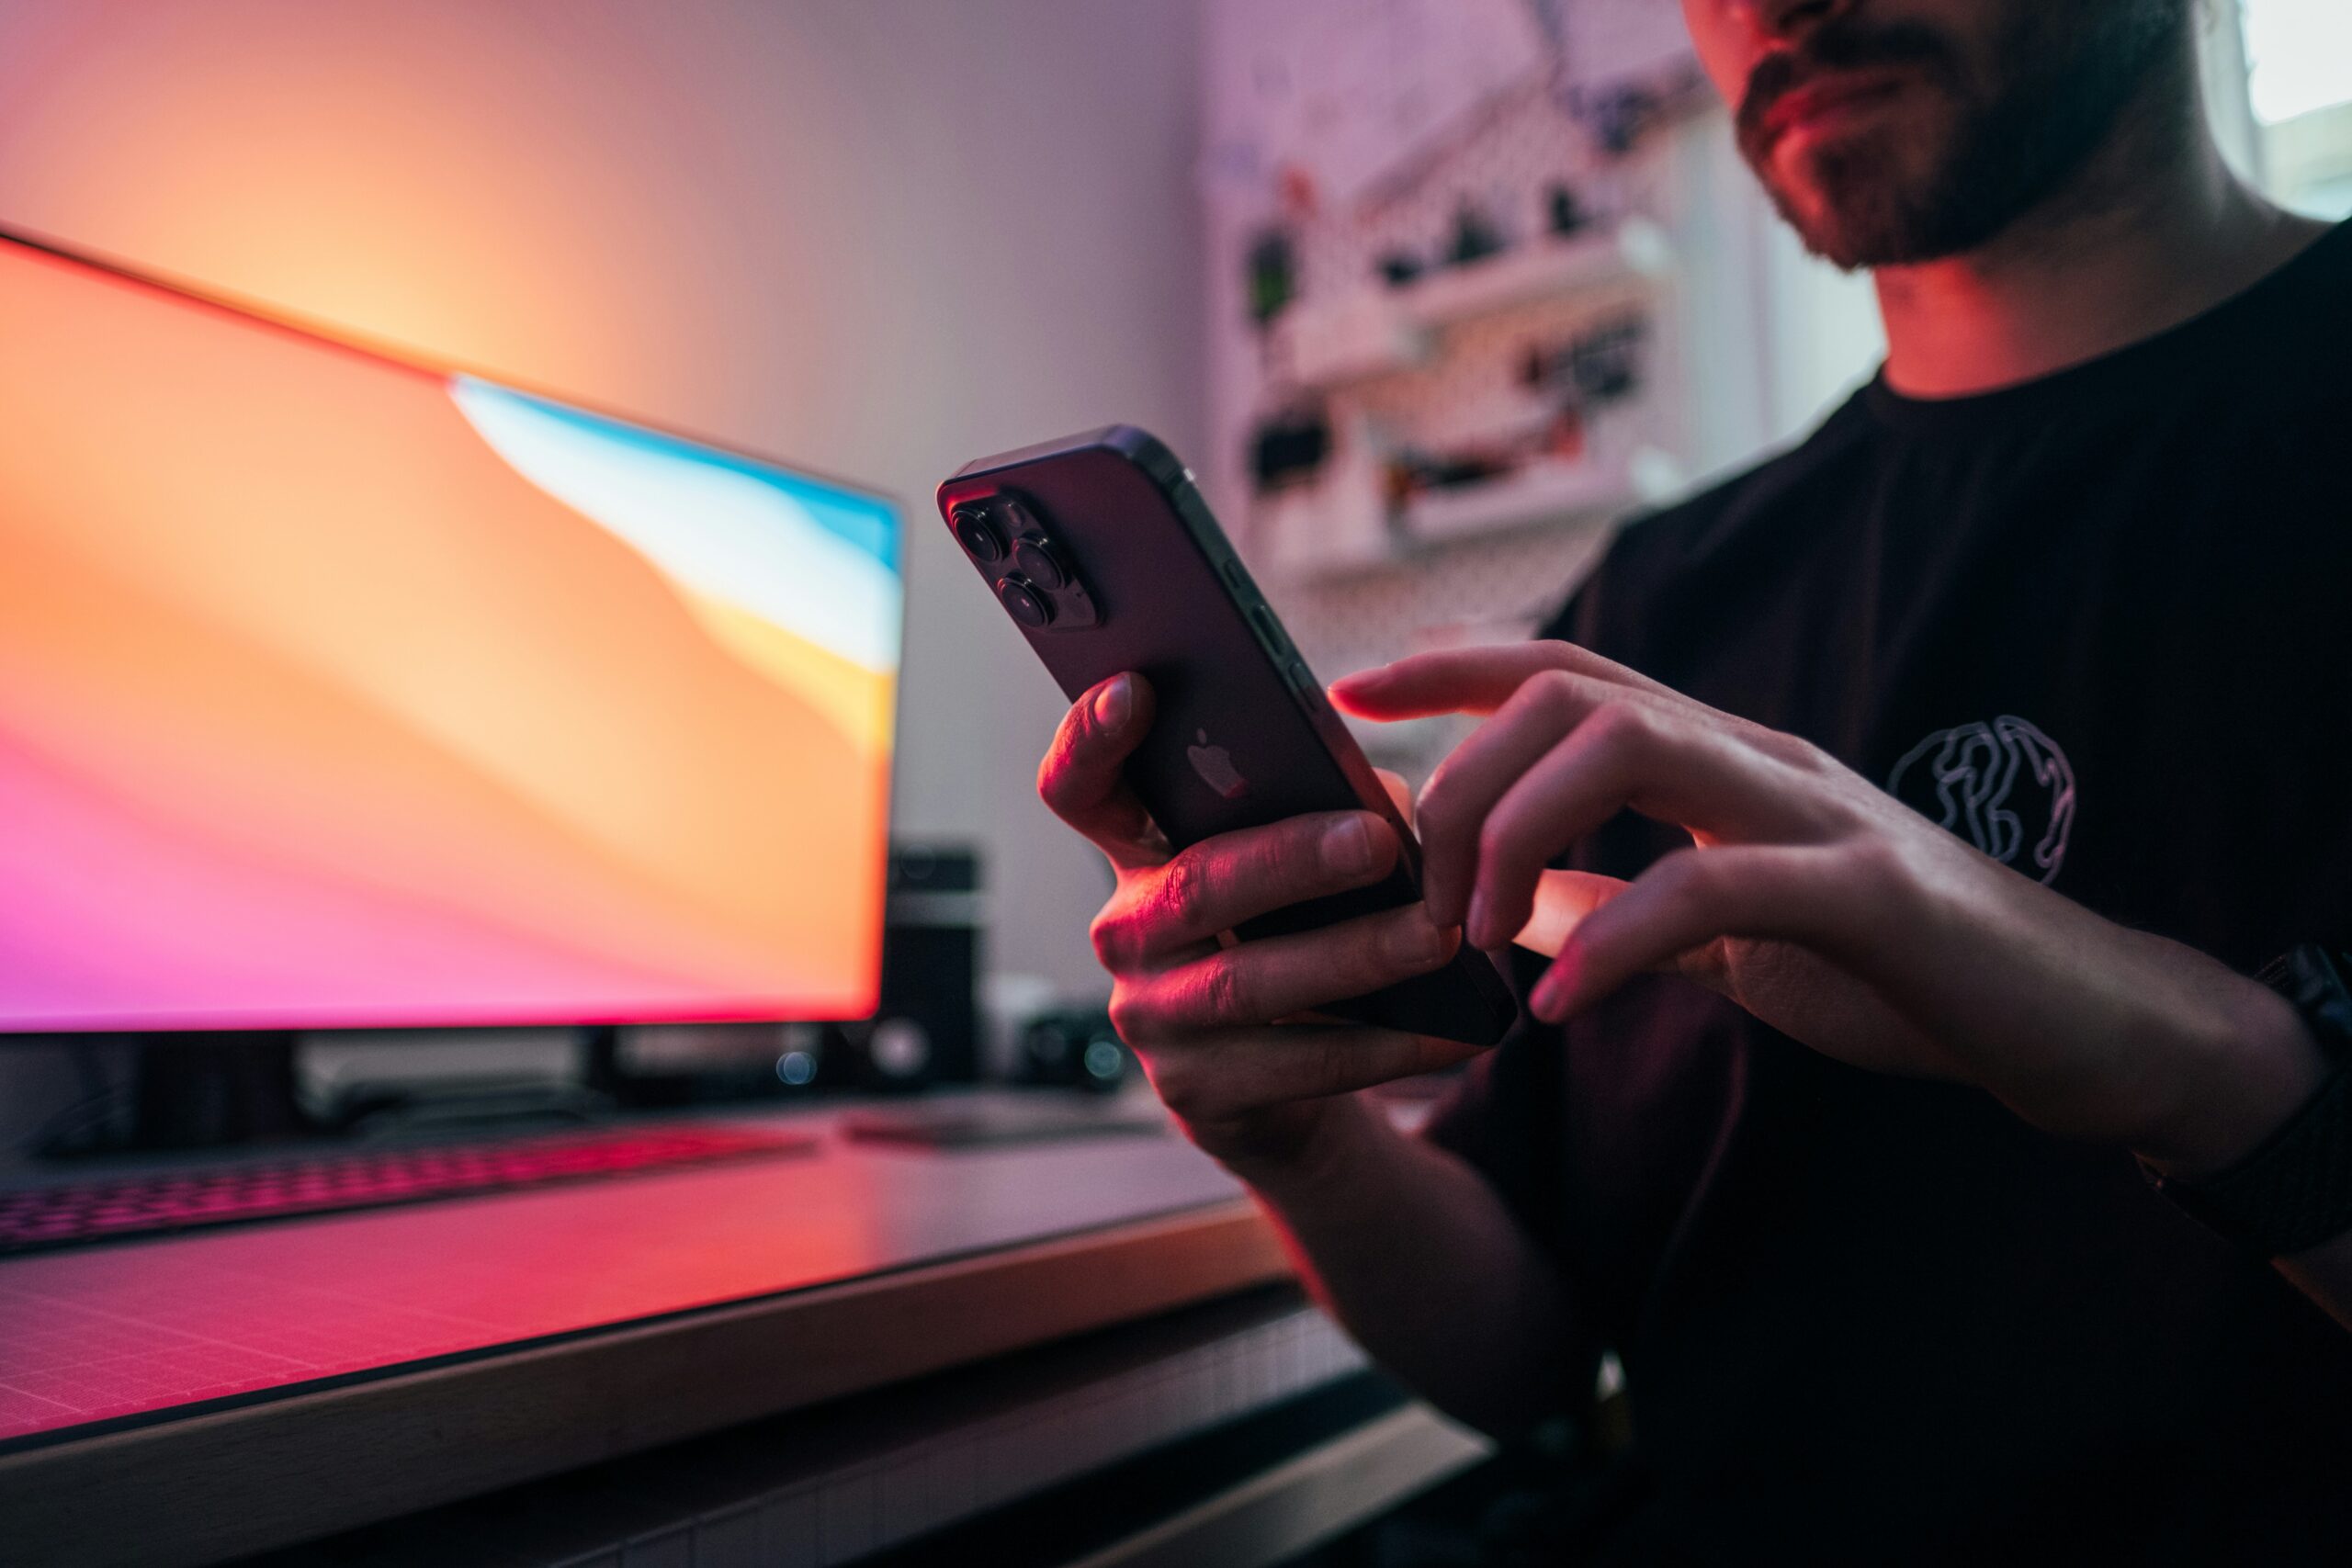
<point>885,238</point>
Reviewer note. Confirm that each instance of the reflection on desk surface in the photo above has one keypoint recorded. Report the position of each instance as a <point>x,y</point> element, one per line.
<point>142,1327</point>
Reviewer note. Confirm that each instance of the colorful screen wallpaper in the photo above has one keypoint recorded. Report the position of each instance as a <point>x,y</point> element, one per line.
<point>336,692</point>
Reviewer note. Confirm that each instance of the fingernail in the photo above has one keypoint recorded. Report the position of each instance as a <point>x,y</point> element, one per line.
<point>1549,999</point>
<point>1412,939</point>
<point>1347,847</point>
<point>1474,926</point>
<point>1555,990</point>
<point>1113,703</point>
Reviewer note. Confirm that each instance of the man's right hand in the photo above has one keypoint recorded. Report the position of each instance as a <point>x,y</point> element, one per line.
<point>1202,1014</point>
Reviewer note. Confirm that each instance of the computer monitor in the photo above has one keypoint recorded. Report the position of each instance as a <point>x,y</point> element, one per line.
<point>340,691</point>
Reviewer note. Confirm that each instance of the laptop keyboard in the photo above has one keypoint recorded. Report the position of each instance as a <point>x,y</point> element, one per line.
<point>36,1219</point>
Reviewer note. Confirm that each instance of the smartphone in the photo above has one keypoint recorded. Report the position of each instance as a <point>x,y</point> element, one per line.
<point>1101,549</point>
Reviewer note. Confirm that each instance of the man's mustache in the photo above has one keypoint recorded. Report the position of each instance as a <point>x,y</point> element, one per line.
<point>1842,46</point>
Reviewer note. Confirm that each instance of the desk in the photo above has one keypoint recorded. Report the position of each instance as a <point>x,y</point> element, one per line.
<point>190,1399</point>
<point>1234,1434</point>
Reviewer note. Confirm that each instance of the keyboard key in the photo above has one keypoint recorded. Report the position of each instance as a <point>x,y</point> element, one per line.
<point>39,1218</point>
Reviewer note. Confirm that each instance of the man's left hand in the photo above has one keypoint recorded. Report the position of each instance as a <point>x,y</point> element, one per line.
<point>1824,906</point>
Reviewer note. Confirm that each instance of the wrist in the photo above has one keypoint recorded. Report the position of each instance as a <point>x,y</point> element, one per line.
<point>2255,1070</point>
<point>1308,1149</point>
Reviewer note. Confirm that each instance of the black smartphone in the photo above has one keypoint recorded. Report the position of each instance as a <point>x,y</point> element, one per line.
<point>1102,551</point>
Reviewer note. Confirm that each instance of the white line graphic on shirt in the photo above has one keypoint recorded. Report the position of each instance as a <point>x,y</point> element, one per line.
<point>1974,779</point>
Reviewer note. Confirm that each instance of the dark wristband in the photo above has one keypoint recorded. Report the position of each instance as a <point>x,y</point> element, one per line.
<point>2294,1190</point>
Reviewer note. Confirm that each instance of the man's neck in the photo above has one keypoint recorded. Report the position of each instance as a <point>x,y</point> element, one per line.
<point>2153,230</point>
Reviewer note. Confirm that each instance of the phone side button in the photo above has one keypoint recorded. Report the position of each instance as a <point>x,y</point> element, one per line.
<point>1304,683</point>
<point>1270,630</point>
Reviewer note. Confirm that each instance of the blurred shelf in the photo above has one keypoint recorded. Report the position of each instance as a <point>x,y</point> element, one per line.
<point>1378,332</point>
<point>1594,492</point>
<point>1587,491</point>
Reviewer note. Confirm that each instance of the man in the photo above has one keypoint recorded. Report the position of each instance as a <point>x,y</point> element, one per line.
<point>1932,792</point>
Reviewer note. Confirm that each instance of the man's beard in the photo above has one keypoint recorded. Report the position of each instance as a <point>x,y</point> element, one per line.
<point>2064,74</point>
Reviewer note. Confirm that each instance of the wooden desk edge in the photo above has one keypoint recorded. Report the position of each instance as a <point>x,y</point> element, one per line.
<point>209,1486</point>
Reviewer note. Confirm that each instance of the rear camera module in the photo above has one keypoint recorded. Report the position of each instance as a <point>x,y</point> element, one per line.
<point>1024,604</point>
<point>1037,561</point>
<point>977,534</point>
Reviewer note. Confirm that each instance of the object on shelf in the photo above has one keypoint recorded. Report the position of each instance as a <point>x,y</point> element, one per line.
<point>1294,188</point>
<point>1273,275</point>
<point>1476,236</point>
<point>1409,473</point>
<point>1619,115</point>
<point>1359,336</point>
<point>1563,437</point>
<point>1546,490</point>
<point>1597,367</point>
<point>1605,364</point>
<point>1563,214</point>
<point>1373,331</point>
<point>1339,522</point>
<point>1633,250</point>
<point>1289,448</point>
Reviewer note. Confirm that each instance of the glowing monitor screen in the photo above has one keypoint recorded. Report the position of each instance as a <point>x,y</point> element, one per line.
<point>339,693</point>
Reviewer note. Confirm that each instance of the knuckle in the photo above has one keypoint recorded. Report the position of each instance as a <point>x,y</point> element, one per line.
<point>1297,865</point>
<point>1179,1087</point>
<point>1791,751</point>
<point>1333,1066</point>
<point>1553,691</point>
<point>1130,1019</point>
<point>1496,837</point>
<point>1050,774</point>
<point>1874,867</point>
<point>1185,888</point>
<point>1292,858</point>
<point>1113,940</point>
<point>1621,725</point>
<point>1686,879</point>
<point>1224,996</point>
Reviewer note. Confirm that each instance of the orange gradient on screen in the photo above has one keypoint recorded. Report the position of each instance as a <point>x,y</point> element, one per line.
<point>336,692</point>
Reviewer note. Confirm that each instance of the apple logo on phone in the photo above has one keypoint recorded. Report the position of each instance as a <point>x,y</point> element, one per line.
<point>1214,764</point>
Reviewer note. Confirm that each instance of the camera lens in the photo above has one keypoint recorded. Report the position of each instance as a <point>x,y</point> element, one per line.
<point>978,535</point>
<point>1027,606</point>
<point>1037,561</point>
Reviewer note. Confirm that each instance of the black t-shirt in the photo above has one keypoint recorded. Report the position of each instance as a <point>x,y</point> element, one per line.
<point>2101,624</point>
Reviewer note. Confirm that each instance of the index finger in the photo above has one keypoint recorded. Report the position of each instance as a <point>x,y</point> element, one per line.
<point>1473,679</point>
<point>1080,779</point>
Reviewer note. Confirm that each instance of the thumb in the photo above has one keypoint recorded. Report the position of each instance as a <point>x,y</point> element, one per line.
<point>1563,898</point>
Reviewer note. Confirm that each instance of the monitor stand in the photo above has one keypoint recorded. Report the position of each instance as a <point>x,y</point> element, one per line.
<point>229,1088</point>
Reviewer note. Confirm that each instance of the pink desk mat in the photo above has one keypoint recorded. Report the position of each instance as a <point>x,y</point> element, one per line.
<point>134,1329</point>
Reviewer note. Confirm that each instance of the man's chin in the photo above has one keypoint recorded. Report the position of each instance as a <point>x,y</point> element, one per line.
<point>1848,206</point>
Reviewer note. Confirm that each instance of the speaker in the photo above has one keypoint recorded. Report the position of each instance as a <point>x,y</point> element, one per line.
<point>927,1030</point>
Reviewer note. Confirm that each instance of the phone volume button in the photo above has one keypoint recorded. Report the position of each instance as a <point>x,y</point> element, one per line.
<point>1304,683</point>
<point>1270,630</point>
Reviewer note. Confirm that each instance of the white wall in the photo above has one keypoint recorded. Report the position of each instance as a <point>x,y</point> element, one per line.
<point>1776,338</point>
<point>880,237</point>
